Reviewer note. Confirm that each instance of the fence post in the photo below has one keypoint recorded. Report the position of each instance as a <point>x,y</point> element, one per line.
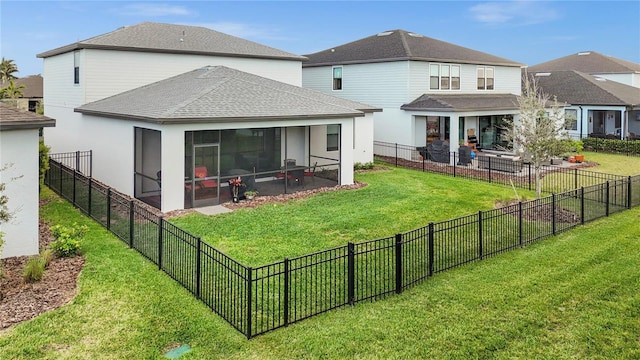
<point>131,223</point>
<point>198,266</point>
<point>582,205</point>
<point>90,163</point>
<point>553,213</point>
<point>520,223</point>
<point>575,172</point>
<point>60,188</point>
<point>431,249</point>
<point>249,305</point>
<point>454,162</point>
<point>160,240</point>
<point>73,196</point>
<point>89,200</point>
<point>351,270</point>
<point>398,249</point>
<point>629,192</point>
<point>396,154</point>
<point>109,208</point>
<point>77,160</point>
<point>489,161</point>
<point>286,291</point>
<point>480,234</point>
<point>607,198</point>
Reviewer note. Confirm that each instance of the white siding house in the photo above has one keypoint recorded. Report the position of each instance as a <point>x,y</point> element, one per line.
<point>118,95</point>
<point>395,70</point>
<point>19,141</point>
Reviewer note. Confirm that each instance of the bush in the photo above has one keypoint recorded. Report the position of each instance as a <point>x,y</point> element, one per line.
<point>47,256</point>
<point>361,166</point>
<point>612,145</point>
<point>34,270</point>
<point>68,239</point>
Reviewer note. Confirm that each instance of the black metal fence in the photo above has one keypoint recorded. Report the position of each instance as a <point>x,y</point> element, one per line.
<point>493,168</point>
<point>261,299</point>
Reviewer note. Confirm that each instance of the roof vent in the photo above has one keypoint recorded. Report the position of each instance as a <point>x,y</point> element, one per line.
<point>385,33</point>
<point>584,53</point>
<point>543,74</point>
<point>415,35</point>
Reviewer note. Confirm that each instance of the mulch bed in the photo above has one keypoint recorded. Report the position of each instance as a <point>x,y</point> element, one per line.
<point>23,301</point>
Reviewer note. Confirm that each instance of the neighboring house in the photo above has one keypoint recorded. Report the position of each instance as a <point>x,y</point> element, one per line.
<point>31,93</point>
<point>596,64</point>
<point>241,112</point>
<point>19,148</point>
<point>598,107</point>
<point>428,89</point>
<point>604,91</point>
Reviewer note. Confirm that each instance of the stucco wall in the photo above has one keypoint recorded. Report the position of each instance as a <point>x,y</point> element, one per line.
<point>20,148</point>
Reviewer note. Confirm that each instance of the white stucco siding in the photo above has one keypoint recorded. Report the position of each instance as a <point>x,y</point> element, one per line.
<point>110,72</point>
<point>363,139</point>
<point>627,79</point>
<point>393,125</point>
<point>380,84</point>
<point>20,148</point>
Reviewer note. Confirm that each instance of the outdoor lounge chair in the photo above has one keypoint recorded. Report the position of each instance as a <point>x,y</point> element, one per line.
<point>201,173</point>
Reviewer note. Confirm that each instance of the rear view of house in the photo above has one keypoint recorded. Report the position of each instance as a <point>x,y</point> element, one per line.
<point>428,89</point>
<point>173,112</point>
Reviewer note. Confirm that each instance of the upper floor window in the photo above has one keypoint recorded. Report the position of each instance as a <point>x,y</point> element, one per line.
<point>571,119</point>
<point>337,78</point>
<point>485,78</point>
<point>76,67</point>
<point>444,77</point>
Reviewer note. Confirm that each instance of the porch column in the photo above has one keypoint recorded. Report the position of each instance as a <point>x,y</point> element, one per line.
<point>454,129</point>
<point>346,152</point>
<point>172,169</point>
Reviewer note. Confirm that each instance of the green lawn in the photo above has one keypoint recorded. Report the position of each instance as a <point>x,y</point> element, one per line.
<point>613,164</point>
<point>396,200</point>
<point>567,297</point>
<point>574,296</point>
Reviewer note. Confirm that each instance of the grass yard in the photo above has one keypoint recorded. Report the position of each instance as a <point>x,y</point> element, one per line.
<point>574,296</point>
<point>396,200</point>
<point>614,164</point>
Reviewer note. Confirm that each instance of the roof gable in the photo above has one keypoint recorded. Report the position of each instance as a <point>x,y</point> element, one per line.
<point>589,62</point>
<point>397,45</point>
<point>578,88</point>
<point>219,93</point>
<point>170,38</point>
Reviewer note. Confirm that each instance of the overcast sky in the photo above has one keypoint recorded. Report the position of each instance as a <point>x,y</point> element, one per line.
<point>529,32</point>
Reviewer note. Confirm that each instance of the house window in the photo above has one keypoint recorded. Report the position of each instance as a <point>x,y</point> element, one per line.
<point>333,137</point>
<point>444,77</point>
<point>76,67</point>
<point>571,119</point>
<point>337,78</point>
<point>485,78</point>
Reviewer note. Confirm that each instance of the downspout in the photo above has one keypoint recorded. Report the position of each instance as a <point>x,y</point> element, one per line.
<point>581,122</point>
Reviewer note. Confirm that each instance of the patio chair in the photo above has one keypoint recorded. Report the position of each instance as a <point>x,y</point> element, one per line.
<point>311,173</point>
<point>201,173</point>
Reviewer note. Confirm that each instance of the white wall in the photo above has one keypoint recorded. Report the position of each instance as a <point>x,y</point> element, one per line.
<point>135,69</point>
<point>20,148</point>
<point>381,84</point>
<point>627,79</point>
<point>363,138</point>
<point>394,126</point>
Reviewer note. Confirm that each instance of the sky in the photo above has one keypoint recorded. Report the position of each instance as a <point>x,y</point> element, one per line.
<point>529,32</point>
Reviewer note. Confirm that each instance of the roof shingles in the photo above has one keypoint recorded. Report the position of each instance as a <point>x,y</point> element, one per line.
<point>12,118</point>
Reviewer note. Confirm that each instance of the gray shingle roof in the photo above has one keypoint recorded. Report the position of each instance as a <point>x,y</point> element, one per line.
<point>179,39</point>
<point>32,86</point>
<point>589,62</point>
<point>397,45</point>
<point>578,88</point>
<point>12,118</point>
<point>222,94</point>
<point>462,102</point>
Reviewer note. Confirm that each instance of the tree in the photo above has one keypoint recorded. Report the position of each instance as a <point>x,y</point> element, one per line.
<point>539,133</point>
<point>11,91</point>
<point>7,68</point>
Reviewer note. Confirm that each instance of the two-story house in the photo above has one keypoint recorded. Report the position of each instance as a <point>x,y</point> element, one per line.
<point>173,112</point>
<point>428,89</point>
<point>603,93</point>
